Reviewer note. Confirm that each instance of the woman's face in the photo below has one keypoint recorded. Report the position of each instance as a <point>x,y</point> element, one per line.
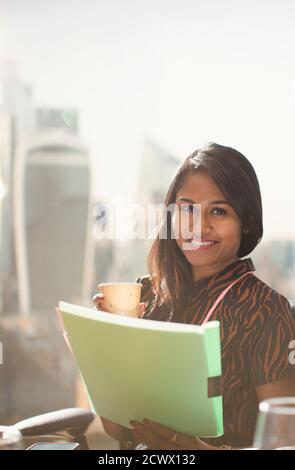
<point>216,221</point>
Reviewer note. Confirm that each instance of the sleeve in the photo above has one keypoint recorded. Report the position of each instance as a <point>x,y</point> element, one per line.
<point>269,351</point>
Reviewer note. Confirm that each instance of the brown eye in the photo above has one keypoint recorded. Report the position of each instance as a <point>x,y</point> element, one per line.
<point>223,212</point>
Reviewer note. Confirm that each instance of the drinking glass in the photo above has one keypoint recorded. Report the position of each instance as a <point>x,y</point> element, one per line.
<point>275,427</point>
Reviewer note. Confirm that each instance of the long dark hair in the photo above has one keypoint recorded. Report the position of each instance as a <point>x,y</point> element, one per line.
<point>236,178</point>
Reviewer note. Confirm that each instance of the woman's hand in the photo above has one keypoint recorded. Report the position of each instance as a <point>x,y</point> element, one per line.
<point>98,300</point>
<point>157,436</point>
<point>113,429</point>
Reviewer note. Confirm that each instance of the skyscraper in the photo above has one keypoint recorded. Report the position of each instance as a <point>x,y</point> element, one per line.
<point>16,123</point>
<point>53,211</point>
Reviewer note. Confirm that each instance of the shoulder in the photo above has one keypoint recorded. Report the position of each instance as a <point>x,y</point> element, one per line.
<point>265,305</point>
<point>268,298</point>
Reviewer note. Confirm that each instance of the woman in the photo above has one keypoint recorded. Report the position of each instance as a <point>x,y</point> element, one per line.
<point>186,278</point>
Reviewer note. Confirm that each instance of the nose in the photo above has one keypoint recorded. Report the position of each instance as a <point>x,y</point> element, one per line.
<point>201,227</point>
<point>205,222</point>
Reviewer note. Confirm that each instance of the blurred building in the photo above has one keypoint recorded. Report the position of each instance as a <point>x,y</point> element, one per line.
<point>157,169</point>
<point>46,248</point>
<point>56,172</point>
<point>57,118</point>
<point>52,219</point>
<point>16,123</point>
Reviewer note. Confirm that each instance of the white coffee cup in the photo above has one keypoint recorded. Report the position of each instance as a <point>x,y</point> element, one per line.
<point>121,297</point>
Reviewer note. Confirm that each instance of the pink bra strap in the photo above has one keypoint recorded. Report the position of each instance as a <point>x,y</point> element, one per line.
<point>208,316</point>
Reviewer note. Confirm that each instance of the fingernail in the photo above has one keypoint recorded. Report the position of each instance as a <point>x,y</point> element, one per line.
<point>133,422</point>
<point>148,422</point>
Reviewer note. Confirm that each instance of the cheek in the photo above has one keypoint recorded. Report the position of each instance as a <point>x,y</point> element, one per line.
<point>231,231</point>
<point>183,225</point>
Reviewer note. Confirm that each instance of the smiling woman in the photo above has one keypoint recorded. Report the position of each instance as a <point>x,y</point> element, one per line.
<point>212,176</point>
<point>197,273</point>
<point>220,227</point>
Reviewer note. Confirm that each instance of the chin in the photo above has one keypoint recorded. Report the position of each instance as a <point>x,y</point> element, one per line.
<point>201,262</point>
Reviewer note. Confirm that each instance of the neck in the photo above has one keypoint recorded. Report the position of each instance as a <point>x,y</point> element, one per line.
<point>200,272</point>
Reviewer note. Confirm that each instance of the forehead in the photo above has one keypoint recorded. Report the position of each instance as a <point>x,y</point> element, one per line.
<point>199,187</point>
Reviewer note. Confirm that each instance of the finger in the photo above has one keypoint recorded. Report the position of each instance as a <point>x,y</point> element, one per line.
<point>182,440</point>
<point>151,438</point>
<point>100,306</point>
<point>97,297</point>
<point>98,301</point>
<point>97,304</point>
<point>144,440</point>
<point>154,442</point>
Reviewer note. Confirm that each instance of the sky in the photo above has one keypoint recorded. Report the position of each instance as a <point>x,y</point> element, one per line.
<point>182,72</point>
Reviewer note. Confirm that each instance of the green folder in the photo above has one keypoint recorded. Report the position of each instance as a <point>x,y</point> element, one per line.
<point>137,368</point>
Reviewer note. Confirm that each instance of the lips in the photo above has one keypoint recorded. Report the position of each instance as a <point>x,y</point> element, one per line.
<point>201,245</point>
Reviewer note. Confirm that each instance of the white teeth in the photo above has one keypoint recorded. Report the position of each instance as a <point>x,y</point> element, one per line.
<point>201,243</point>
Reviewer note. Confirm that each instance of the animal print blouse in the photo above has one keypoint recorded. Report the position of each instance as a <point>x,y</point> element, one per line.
<point>256,326</point>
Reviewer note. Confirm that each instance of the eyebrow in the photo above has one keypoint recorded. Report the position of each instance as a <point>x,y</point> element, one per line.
<point>211,203</point>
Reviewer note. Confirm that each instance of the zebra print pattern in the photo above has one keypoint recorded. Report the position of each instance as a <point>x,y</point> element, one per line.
<point>256,325</point>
